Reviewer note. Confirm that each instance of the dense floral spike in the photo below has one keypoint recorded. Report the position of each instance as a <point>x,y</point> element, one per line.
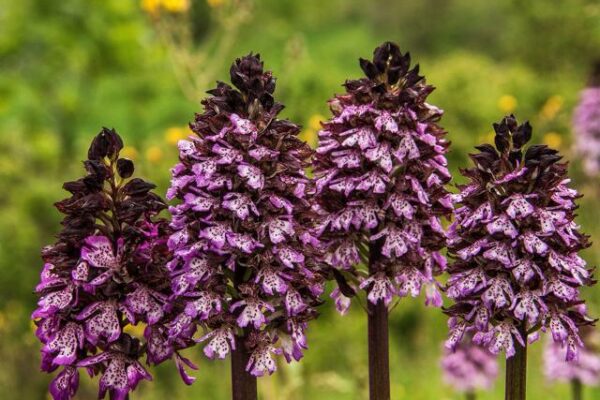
<point>105,274</point>
<point>243,253</point>
<point>380,172</point>
<point>585,370</point>
<point>515,247</point>
<point>469,367</point>
<point>586,123</point>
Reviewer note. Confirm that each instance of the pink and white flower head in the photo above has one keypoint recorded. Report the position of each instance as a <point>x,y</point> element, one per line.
<point>243,263</point>
<point>586,125</point>
<point>585,369</point>
<point>107,271</point>
<point>469,367</point>
<point>516,247</point>
<point>380,171</point>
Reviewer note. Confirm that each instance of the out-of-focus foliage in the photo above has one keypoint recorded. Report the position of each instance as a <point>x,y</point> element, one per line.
<point>69,67</point>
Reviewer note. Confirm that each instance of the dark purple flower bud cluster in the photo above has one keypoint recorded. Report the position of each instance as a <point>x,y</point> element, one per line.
<point>380,172</point>
<point>515,246</point>
<point>105,274</point>
<point>469,367</point>
<point>586,124</point>
<point>243,254</point>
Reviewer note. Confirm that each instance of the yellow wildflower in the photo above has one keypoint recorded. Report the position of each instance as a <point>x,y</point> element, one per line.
<point>507,103</point>
<point>215,3</point>
<point>154,154</point>
<point>314,122</point>
<point>129,152</point>
<point>176,6</point>
<point>553,139</point>
<point>135,330</point>
<point>552,106</point>
<point>309,136</point>
<point>152,7</point>
<point>174,134</point>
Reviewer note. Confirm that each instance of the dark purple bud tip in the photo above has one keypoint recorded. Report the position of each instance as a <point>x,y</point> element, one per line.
<point>125,167</point>
<point>107,143</point>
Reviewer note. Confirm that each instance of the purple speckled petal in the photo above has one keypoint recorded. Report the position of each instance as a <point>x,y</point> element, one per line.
<point>98,252</point>
<point>261,361</point>
<point>380,288</point>
<point>101,321</point>
<point>278,229</point>
<point>220,344</point>
<point>242,242</point>
<point>243,126</point>
<point>65,385</point>
<point>240,204</point>
<point>289,256</point>
<point>65,344</point>
<point>253,176</point>
<point>519,207</point>
<point>502,225</point>
<point>385,122</point>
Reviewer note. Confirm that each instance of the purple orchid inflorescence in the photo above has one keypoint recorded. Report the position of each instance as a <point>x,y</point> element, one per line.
<point>380,172</point>
<point>243,253</point>
<point>105,274</point>
<point>585,370</point>
<point>515,247</point>
<point>586,124</point>
<point>469,367</point>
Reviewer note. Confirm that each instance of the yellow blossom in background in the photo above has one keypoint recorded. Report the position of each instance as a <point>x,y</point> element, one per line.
<point>552,107</point>
<point>215,3</point>
<point>176,6</point>
<point>174,134</point>
<point>553,139</point>
<point>314,122</point>
<point>152,7</point>
<point>507,103</point>
<point>309,136</point>
<point>154,154</point>
<point>135,330</point>
<point>129,152</point>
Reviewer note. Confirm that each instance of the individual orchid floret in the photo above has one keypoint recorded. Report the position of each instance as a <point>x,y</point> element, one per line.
<point>469,367</point>
<point>586,124</point>
<point>243,252</point>
<point>380,171</point>
<point>106,272</point>
<point>515,247</point>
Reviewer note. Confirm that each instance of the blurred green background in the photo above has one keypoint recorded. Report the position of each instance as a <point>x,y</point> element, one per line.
<point>69,67</point>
